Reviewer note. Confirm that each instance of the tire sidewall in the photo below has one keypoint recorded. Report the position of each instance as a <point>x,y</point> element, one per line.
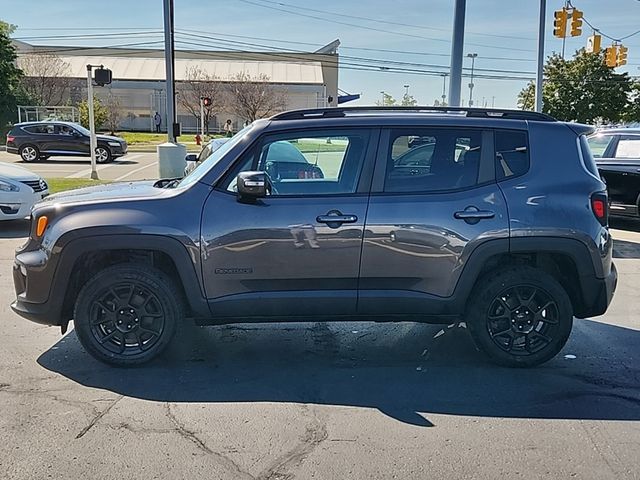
<point>106,149</point>
<point>490,286</point>
<point>37,155</point>
<point>146,276</point>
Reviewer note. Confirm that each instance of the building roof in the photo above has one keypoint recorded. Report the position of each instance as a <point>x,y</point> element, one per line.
<point>142,68</point>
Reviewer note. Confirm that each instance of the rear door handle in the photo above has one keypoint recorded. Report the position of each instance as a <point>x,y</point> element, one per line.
<point>473,215</point>
<point>336,219</point>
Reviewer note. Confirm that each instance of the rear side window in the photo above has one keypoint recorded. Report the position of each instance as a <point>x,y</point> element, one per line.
<point>427,160</point>
<point>628,147</point>
<point>512,153</point>
<point>598,144</point>
<point>40,129</point>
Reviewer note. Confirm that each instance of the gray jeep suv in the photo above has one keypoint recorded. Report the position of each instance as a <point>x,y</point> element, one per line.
<point>494,217</point>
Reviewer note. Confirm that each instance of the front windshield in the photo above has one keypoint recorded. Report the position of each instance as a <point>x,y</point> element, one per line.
<point>80,128</point>
<point>214,158</point>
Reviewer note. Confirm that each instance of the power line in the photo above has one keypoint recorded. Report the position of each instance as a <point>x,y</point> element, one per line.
<point>404,34</point>
<point>619,39</point>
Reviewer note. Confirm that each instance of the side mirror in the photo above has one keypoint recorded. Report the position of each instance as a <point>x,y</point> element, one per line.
<point>192,157</point>
<point>252,185</point>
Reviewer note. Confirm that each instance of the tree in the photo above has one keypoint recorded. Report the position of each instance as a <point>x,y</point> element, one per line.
<point>114,112</point>
<point>100,113</point>
<point>46,78</point>
<point>199,84</point>
<point>632,112</point>
<point>10,75</point>
<point>387,100</point>
<point>254,97</point>
<point>408,101</point>
<point>582,89</point>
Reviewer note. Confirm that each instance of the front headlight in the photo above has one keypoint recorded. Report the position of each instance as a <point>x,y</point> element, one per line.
<point>6,186</point>
<point>114,144</point>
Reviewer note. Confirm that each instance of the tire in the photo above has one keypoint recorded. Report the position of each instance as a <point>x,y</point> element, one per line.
<point>519,316</point>
<point>103,154</point>
<point>127,314</point>
<point>29,153</point>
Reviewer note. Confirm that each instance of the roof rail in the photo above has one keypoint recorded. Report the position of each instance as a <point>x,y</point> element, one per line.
<point>336,112</point>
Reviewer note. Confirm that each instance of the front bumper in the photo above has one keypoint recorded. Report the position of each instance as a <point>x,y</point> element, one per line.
<point>18,205</point>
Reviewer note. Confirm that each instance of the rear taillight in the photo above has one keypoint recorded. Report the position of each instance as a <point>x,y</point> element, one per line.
<point>10,138</point>
<point>600,207</point>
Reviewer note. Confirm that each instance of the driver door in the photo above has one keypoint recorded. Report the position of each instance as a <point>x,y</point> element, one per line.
<point>296,252</point>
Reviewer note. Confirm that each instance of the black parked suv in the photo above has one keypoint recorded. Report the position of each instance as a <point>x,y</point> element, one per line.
<point>35,141</point>
<point>617,154</point>
<point>502,224</point>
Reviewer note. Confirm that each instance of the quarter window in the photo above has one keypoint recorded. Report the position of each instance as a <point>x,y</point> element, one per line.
<point>512,153</point>
<point>598,144</point>
<point>428,160</point>
<point>318,163</point>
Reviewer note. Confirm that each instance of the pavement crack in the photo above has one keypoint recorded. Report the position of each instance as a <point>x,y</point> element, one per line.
<point>315,434</point>
<point>97,418</point>
<point>190,435</point>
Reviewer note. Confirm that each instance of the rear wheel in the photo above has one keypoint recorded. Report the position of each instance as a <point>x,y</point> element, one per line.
<point>29,153</point>
<point>127,314</point>
<point>103,155</point>
<point>520,317</point>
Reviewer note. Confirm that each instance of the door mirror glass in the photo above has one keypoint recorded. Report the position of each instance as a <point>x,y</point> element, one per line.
<point>252,185</point>
<point>192,157</point>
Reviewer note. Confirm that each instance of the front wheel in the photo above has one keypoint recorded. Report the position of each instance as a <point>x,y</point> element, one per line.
<point>103,155</point>
<point>520,316</point>
<point>127,314</point>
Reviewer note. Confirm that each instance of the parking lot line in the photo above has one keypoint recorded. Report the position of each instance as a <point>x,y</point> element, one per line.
<point>100,168</point>
<point>139,169</point>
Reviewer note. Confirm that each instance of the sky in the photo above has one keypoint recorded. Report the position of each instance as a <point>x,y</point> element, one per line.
<point>416,34</point>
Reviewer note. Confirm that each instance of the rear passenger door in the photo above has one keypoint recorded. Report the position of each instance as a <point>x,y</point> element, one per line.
<point>434,199</point>
<point>621,171</point>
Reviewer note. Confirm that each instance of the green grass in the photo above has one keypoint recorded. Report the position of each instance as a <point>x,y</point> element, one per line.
<point>61,184</point>
<point>147,142</point>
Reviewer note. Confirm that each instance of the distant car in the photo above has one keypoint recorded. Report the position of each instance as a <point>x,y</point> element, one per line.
<point>20,189</point>
<point>617,155</point>
<point>35,141</point>
<point>193,160</point>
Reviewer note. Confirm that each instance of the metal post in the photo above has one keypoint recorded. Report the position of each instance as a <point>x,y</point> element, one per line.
<point>457,46</point>
<point>382,92</point>
<point>472,56</point>
<point>540,65</point>
<point>406,90</point>
<point>202,118</point>
<point>93,144</point>
<point>444,88</point>
<point>169,66</point>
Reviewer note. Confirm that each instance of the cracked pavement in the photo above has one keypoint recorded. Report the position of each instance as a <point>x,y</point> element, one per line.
<point>323,401</point>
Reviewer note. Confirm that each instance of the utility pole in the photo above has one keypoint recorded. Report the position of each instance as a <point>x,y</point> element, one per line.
<point>93,143</point>
<point>170,66</point>
<point>473,57</point>
<point>202,118</point>
<point>457,46</point>
<point>540,64</point>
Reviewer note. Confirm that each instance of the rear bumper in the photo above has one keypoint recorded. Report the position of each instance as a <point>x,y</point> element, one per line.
<point>601,291</point>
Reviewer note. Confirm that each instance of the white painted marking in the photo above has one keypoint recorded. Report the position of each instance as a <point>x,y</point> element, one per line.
<point>122,177</point>
<point>100,168</point>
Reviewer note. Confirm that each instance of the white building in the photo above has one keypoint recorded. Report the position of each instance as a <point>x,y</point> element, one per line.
<point>309,80</point>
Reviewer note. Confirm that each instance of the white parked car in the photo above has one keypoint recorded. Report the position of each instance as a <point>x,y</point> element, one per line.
<point>20,189</point>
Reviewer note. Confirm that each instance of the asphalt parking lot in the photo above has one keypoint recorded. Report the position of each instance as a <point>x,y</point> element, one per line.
<point>133,166</point>
<point>323,400</point>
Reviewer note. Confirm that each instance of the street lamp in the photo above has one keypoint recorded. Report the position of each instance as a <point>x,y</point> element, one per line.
<point>444,88</point>
<point>472,56</point>
<point>406,90</point>
<point>383,94</point>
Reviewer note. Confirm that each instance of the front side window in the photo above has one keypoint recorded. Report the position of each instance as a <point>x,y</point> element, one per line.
<point>310,163</point>
<point>427,160</point>
<point>40,129</point>
<point>628,147</point>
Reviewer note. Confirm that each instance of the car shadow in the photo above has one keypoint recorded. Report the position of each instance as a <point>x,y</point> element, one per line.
<point>67,161</point>
<point>622,223</point>
<point>407,371</point>
<point>14,228</point>
<point>625,249</point>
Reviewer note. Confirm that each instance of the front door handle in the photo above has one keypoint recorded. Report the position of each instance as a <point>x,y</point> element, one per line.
<point>473,215</point>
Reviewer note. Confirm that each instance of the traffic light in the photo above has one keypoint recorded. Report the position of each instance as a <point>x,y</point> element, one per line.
<point>593,43</point>
<point>560,23</point>
<point>621,58</point>
<point>611,56</point>
<point>206,101</point>
<point>576,23</point>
